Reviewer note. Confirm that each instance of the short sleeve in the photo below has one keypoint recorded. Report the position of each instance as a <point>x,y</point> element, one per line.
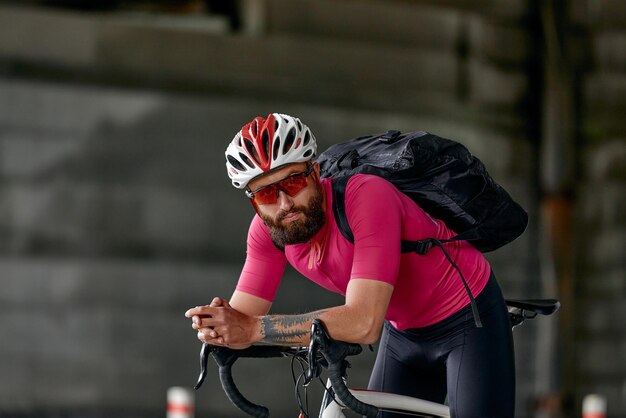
<point>374,212</point>
<point>265,263</point>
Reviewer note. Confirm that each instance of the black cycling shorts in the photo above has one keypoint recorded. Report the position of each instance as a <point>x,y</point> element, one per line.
<point>474,367</point>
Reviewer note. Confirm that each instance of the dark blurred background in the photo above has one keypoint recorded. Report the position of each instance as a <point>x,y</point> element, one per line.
<point>117,214</point>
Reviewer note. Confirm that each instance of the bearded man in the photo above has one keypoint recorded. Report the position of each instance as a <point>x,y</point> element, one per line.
<point>415,304</point>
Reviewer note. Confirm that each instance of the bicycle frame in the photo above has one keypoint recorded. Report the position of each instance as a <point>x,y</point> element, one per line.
<point>384,400</point>
<point>330,354</point>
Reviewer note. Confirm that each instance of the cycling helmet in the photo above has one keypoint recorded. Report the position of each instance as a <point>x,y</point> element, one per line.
<point>265,144</point>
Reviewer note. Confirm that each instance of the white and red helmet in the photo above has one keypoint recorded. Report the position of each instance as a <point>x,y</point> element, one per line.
<point>265,144</point>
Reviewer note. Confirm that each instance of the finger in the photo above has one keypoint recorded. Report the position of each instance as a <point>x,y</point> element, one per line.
<point>207,338</point>
<point>208,332</point>
<point>201,325</point>
<point>199,311</point>
<point>190,313</point>
<point>220,302</point>
<point>197,319</point>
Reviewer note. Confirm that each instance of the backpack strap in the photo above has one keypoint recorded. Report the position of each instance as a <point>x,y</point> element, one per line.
<point>420,247</point>
<point>339,206</point>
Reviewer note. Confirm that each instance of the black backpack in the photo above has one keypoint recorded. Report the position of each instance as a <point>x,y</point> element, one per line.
<point>441,175</point>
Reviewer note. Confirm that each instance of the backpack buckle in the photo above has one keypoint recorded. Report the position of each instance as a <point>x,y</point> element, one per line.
<point>349,160</point>
<point>420,247</point>
<point>390,136</point>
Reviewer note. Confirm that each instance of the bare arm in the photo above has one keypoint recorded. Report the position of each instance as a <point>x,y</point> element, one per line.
<point>359,320</point>
<point>249,304</point>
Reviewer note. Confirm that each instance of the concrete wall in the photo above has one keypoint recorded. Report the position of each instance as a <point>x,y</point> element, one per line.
<point>601,204</point>
<point>117,214</point>
<point>117,217</point>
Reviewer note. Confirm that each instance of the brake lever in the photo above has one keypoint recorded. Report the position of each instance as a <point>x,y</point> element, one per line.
<point>317,343</point>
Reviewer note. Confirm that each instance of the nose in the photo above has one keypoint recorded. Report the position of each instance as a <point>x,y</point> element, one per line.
<point>285,201</point>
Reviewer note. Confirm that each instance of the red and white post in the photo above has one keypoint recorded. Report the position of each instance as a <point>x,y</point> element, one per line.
<point>180,402</point>
<point>594,406</point>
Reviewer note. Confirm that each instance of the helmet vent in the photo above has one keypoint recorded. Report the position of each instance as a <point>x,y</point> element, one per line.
<point>289,140</point>
<point>236,163</point>
<point>307,138</point>
<point>246,160</point>
<point>299,125</point>
<point>308,153</point>
<point>265,140</point>
<point>251,151</point>
<point>276,148</point>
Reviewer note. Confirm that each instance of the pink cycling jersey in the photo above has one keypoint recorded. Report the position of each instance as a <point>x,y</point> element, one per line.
<point>427,288</point>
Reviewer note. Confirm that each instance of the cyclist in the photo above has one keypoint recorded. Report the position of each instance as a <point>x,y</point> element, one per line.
<point>416,305</point>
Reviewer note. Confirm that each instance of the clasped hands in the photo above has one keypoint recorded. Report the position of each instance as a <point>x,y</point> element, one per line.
<point>220,324</point>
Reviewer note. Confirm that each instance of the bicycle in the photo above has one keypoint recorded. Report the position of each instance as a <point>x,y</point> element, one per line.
<point>325,353</point>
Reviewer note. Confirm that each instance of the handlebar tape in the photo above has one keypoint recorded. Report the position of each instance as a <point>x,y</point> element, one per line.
<point>228,384</point>
<point>335,373</point>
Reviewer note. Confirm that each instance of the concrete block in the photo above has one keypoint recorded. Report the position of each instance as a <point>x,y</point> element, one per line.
<point>605,91</point>
<point>27,155</point>
<point>506,9</point>
<point>609,50</point>
<point>91,218</point>
<point>330,68</point>
<point>66,38</point>
<point>600,281</point>
<point>185,22</point>
<point>31,108</point>
<point>601,318</point>
<point>69,216</point>
<point>608,248</point>
<point>600,13</point>
<point>187,58</point>
<point>597,319</point>
<point>48,35</point>
<point>603,98</point>
<point>497,41</point>
<point>600,124</point>
<point>607,161</point>
<point>601,207</point>
<point>601,358</point>
<point>182,221</point>
<point>366,21</point>
<point>502,9</point>
<point>493,87</point>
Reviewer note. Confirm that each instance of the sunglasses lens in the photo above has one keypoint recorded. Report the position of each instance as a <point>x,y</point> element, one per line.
<point>266,195</point>
<point>291,185</point>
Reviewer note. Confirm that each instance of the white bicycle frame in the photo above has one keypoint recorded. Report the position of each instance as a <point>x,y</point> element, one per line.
<point>386,400</point>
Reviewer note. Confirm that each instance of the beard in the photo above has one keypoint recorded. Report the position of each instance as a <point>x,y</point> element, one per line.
<point>300,230</point>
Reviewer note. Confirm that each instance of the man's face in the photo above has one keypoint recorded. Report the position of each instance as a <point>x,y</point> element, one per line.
<point>292,219</point>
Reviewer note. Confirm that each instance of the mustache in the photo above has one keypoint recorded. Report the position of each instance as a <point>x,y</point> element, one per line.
<point>283,214</point>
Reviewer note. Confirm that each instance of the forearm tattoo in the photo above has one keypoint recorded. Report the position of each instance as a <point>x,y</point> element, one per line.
<point>287,329</point>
